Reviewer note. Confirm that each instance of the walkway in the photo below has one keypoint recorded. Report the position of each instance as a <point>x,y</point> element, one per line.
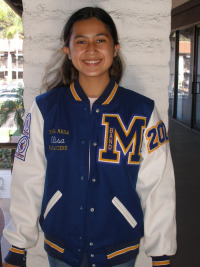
<point>185,148</point>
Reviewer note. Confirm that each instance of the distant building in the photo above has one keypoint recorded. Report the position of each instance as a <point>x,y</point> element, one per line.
<point>11,59</point>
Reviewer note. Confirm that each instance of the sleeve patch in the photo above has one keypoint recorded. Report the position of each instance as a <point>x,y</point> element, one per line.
<point>22,148</point>
<point>156,136</point>
<point>24,140</point>
<point>27,123</point>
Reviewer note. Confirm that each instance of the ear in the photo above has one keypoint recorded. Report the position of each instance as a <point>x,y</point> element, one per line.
<point>117,46</point>
<point>66,51</point>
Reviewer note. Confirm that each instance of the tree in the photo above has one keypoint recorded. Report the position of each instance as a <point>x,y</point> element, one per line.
<point>17,107</point>
<point>10,22</point>
<point>10,25</point>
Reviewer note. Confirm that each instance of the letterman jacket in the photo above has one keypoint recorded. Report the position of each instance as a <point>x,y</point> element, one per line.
<point>96,180</point>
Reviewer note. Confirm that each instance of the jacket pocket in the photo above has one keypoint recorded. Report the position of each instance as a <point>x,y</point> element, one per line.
<point>52,202</point>
<point>123,210</point>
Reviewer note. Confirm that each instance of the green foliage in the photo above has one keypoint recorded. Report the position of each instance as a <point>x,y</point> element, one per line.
<point>17,133</point>
<point>17,107</point>
<point>10,22</point>
<point>5,158</point>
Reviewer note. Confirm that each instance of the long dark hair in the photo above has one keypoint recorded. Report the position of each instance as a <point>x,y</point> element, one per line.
<point>67,73</point>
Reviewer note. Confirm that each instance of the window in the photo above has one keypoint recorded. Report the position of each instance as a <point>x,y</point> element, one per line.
<point>185,68</point>
<point>184,86</point>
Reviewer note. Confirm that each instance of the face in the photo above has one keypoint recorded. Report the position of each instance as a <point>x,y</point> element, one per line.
<point>91,48</point>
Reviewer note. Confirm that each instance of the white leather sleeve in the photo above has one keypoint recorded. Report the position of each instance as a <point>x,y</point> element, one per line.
<point>156,188</point>
<point>27,185</point>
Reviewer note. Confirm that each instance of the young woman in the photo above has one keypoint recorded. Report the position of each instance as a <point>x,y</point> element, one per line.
<point>93,163</point>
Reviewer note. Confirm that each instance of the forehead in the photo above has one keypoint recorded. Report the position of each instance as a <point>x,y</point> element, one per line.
<point>89,27</point>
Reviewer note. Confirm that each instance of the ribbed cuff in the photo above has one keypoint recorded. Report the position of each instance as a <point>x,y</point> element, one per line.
<point>15,256</point>
<point>163,261</point>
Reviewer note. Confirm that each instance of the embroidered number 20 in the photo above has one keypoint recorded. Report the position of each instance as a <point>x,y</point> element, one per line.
<point>156,136</point>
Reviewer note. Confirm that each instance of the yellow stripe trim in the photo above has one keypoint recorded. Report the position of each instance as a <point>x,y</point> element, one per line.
<point>74,93</point>
<point>114,254</point>
<point>15,250</point>
<point>54,246</point>
<point>161,263</point>
<point>111,95</point>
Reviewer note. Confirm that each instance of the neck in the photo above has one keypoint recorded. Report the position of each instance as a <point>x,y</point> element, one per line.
<point>94,86</point>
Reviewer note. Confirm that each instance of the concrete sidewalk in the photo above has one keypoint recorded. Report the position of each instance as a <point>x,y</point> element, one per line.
<point>185,149</point>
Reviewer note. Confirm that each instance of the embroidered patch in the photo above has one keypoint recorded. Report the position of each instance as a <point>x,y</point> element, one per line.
<point>156,136</point>
<point>22,148</point>
<point>58,139</point>
<point>27,123</point>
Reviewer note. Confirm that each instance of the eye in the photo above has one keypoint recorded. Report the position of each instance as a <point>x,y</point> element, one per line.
<point>81,42</point>
<point>101,40</point>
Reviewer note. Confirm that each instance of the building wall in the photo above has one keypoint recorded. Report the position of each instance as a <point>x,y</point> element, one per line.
<point>176,3</point>
<point>144,28</point>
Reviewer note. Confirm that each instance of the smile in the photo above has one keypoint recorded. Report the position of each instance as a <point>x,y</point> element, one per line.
<point>92,61</point>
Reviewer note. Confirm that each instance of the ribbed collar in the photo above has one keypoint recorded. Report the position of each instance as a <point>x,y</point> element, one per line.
<point>110,93</point>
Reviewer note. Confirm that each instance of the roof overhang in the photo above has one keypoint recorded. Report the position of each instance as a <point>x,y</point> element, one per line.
<point>16,5</point>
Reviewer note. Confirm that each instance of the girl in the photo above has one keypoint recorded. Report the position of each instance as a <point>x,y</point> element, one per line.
<point>93,163</point>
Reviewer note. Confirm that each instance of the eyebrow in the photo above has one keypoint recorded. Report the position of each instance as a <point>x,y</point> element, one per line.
<point>84,36</point>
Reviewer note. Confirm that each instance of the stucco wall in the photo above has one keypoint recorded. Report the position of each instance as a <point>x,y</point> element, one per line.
<point>144,28</point>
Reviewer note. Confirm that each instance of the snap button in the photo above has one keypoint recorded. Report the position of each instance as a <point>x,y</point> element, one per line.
<point>97,110</point>
<point>91,244</point>
<point>92,209</point>
<point>93,180</point>
<point>92,255</point>
<point>94,144</point>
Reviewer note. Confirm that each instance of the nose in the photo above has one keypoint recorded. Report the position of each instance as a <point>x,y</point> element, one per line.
<point>91,48</point>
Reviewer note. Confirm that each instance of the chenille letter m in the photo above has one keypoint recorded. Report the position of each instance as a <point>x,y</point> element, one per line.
<point>120,139</point>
